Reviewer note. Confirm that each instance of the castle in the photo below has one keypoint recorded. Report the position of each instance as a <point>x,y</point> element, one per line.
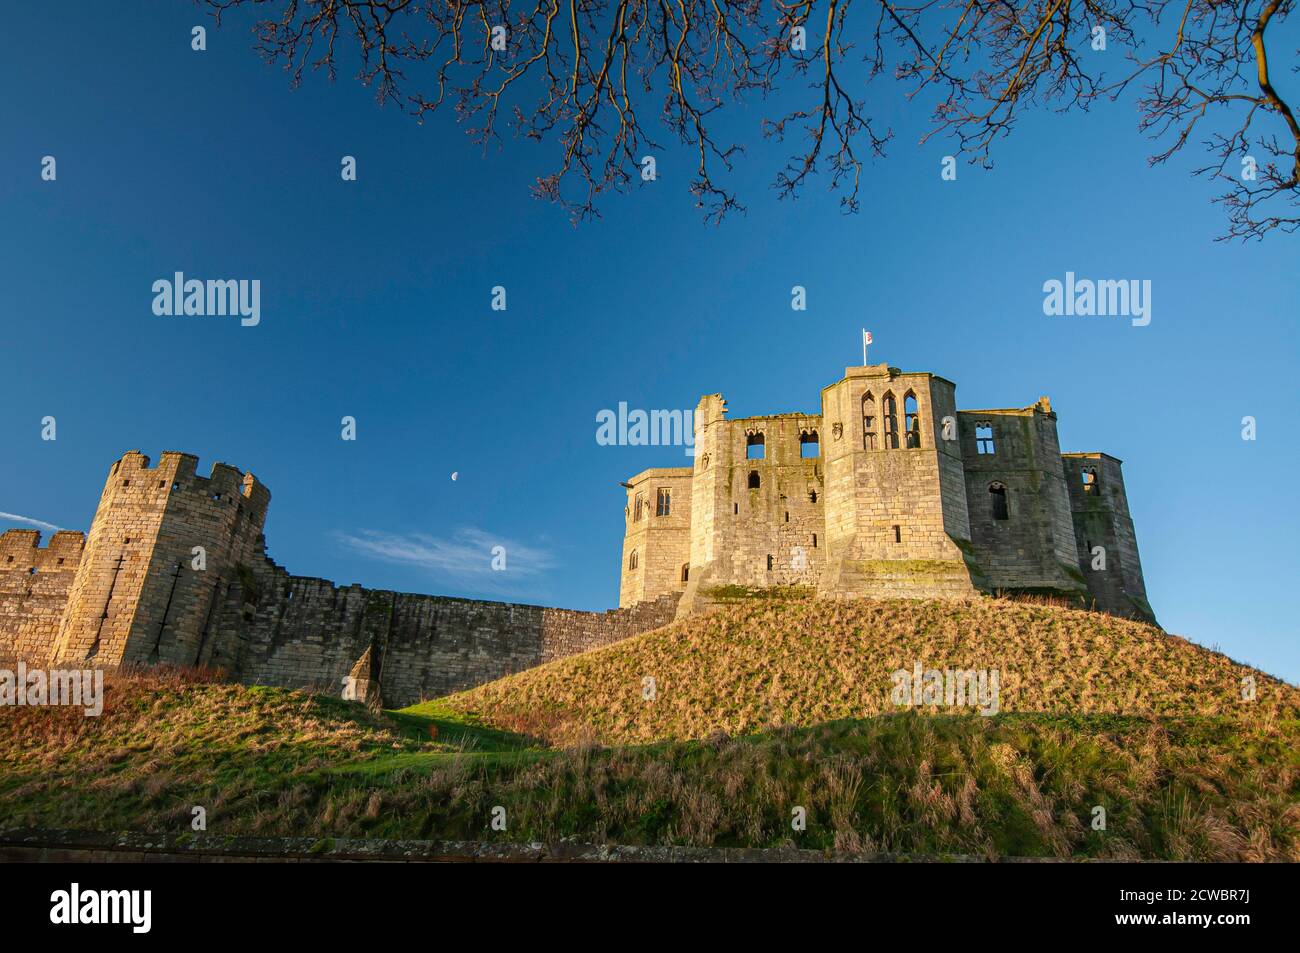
<point>174,571</point>
<point>889,491</point>
<point>907,497</point>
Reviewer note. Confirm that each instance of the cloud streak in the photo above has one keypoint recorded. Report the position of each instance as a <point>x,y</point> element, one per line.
<point>464,557</point>
<point>39,524</point>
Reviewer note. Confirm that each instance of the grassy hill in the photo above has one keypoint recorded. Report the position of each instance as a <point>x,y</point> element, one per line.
<point>759,709</point>
<point>763,664</point>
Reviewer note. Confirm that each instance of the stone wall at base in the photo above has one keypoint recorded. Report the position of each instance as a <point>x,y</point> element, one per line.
<point>299,632</point>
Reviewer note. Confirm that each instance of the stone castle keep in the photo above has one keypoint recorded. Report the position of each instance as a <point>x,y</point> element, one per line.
<point>890,491</point>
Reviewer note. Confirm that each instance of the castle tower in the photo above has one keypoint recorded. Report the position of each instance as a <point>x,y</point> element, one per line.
<point>1021,531</point>
<point>896,514</point>
<point>1099,509</point>
<point>657,536</point>
<point>163,546</point>
<point>756,503</point>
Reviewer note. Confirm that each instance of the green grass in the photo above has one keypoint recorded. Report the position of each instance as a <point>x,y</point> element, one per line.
<point>762,707</point>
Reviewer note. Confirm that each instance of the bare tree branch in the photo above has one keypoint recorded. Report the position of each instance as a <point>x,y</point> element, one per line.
<point>580,73</point>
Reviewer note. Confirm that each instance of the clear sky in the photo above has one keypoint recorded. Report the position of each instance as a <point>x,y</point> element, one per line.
<point>375,304</point>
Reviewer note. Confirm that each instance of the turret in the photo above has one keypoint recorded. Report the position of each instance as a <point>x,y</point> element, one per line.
<point>162,542</point>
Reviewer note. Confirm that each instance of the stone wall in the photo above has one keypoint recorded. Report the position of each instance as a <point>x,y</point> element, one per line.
<point>1033,548</point>
<point>661,542</point>
<point>34,586</point>
<point>1099,509</point>
<point>300,632</point>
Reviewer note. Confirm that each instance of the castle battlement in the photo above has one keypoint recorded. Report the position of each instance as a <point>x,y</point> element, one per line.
<point>21,548</point>
<point>890,491</point>
<point>174,571</point>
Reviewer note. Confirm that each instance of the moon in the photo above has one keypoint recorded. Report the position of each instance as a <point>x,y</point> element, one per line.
<point>454,475</point>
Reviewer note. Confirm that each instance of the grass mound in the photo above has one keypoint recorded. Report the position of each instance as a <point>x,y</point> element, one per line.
<point>761,710</point>
<point>762,665</point>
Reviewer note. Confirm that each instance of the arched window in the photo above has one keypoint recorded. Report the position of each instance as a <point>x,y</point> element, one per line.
<point>984,437</point>
<point>868,422</point>
<point>998,496</point>
<point>639,508</point>
<point>809,444</point>
<point>1090,480</point>
<point>632,560</point>
<point>686,572</point>
<point>770,562</point>
<point>754,447</point>
<point>911,421</point>
<point>753,479</point>
<point>890,412</point>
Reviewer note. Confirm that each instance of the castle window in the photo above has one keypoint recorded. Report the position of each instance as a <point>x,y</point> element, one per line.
<point>770,562</point>
<point>126,482</point>
<point>890,408</point>
<point>868,422</point>
<point>984,438</point>
<point>1089,480</point>
<point>898,534</point>
<point>787,516</point>
<point>911,421</point>
<point>814,540</point>
<point>638,506</point>
<point>162,484</point>
<point>216,497</point>
<point>809,444</point>
<point>998,494</point>
<point>812,496</point>
<point>754,446</point>
<point>753,479</point>
<point>686,572</point>
<point>664,504</point>
<point>735,509</point>
<point>176,485</point>
<point>632,560</point>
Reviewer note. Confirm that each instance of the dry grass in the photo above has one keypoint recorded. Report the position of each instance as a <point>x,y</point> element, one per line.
<point>1102,712</point>
<point>757,666</point>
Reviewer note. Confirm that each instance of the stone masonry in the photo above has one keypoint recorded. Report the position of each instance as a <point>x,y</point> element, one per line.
<point>174,571</point>
<point>889,491</point>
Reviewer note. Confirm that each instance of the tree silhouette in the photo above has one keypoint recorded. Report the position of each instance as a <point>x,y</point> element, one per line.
<point>587,74</point>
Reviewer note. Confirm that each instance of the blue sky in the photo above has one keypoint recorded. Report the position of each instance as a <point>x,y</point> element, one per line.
<point>375,304</point>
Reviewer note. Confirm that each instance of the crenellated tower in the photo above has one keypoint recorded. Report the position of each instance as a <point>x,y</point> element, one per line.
<point>164,545</point>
